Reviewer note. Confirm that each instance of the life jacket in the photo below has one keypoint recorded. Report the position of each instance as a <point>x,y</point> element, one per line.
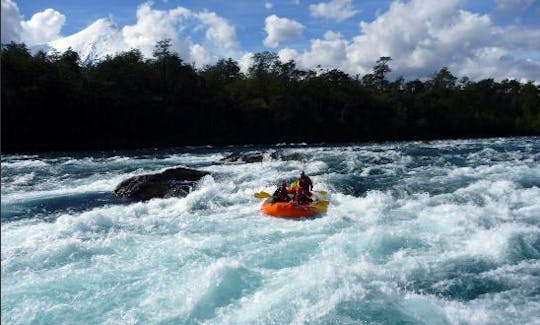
<point>301,196</point>
<point>281,194</point>
<point>293,187</point>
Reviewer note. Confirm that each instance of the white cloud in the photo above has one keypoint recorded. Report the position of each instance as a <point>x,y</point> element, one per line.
<point>11,19</point>
<point>281,29</point>
<point>201,56</point>
<point>330,52</point>
<point>423,36</point>
<point>268,5</point>
<point>245,62</point>
<point>336,9</point>
<point>155,25</point>
<point>44,26</point>
<point>287,54</point>
<point>518,37</point>
<point>219,32</point>
<point>511,5</point>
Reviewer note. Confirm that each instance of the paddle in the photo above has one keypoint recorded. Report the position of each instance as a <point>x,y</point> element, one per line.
<point>320,206</point>
<point>262,195</point>
<point>321,192</point>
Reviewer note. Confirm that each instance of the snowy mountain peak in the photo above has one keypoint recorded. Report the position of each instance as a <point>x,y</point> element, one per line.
<point>94,42</point>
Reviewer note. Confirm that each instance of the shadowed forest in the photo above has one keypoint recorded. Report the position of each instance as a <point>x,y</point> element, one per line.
<point>56,102</point>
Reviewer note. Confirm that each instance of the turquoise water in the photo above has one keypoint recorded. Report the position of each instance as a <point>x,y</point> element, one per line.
<point>446,232</point>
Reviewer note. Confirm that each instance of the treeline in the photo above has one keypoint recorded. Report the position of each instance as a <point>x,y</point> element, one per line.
<point>54,102</point>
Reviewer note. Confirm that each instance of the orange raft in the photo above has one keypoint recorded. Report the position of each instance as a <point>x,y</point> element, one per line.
<point>288,209</point>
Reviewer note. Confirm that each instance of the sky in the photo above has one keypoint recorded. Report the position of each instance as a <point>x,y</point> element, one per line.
<point>476,38</point>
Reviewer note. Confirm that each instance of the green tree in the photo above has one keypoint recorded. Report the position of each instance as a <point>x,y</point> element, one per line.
<point>264,63</point>
<point>443,79</point>
<point>377,79</point>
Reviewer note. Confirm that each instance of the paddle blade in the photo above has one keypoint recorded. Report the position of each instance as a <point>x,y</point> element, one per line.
<point>322,192</point>
<point>262,195</point>
<point>320,206</point>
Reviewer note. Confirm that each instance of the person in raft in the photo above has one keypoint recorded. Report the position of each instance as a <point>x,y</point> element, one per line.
<point>281,194</point>
<point>301,196</point>
<point>305,183</point>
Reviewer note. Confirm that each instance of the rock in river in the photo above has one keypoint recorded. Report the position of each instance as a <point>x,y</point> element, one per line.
<point>169,183</point>
<point>247,157</point>
<point>257,156</point>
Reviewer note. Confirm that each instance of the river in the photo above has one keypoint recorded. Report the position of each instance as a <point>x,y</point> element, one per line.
<point>441,232</point>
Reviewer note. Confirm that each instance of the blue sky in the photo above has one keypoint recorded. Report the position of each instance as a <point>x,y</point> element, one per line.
<point>247,15</point>
<point>464,35</point>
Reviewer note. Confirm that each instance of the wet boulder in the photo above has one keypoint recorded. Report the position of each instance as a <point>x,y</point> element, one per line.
<point>232,158</point>
<point>173,182</point>
<point>258,156</point>
<point>248,157</point>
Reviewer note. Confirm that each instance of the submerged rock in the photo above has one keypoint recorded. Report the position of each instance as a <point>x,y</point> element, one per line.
<point>295,156</point>
<point>173,182</point>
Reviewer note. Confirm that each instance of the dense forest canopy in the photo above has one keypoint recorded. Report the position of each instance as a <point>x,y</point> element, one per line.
<point>55,102</point>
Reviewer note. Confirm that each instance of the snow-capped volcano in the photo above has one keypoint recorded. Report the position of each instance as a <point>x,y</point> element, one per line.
<point>94,42</point>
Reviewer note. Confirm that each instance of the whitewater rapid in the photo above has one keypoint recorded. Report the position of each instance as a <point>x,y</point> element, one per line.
<point>445,232</point>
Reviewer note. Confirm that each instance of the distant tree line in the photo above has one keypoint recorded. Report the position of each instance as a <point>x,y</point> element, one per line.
<point>55,102</point>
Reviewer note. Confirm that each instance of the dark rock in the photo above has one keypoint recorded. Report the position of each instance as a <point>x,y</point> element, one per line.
<point>173,182</point>
<point>233,157</point>
<point>252,157</point>
<point>275,155</point>
<point>237,157</point>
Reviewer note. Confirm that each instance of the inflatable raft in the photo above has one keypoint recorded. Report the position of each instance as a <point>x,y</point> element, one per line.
<point>293,210</point>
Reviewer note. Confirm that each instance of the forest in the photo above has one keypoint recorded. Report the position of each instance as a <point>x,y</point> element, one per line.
<point>53,101</point>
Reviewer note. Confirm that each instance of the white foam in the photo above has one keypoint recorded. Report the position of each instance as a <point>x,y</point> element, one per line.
<point>20,164</point>
<point>68,188</point>
<point>23,179</point>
